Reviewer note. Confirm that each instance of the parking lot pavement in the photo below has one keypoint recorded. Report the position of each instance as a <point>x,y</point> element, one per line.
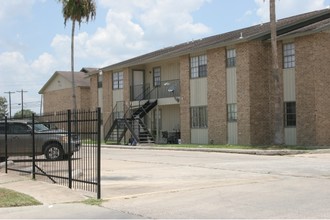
<point>143,183</point>
<point>182,184</point>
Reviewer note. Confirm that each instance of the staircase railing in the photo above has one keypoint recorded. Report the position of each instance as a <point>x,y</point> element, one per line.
<point>108,125</point>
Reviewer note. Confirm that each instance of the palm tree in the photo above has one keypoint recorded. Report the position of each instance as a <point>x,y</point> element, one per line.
<point>278,103</point>
<point>77,11</point>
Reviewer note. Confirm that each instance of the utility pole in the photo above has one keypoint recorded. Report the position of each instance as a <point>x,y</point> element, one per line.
<point>9,102</point>
<point>22,91</point>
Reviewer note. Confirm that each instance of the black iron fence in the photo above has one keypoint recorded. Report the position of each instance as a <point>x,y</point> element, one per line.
<point>60,147</point>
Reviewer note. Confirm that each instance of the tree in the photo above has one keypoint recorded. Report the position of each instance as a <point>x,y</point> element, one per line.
<point>76,11</point>
<point>27,113</point>
<point>278,103</point>
<point>3,107</point>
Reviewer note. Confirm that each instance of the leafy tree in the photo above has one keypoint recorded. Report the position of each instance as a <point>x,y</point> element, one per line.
<point>27,113</point>
<point>3,107</point>
<point>76,11</point>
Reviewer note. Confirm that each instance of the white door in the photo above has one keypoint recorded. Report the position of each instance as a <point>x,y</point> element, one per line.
<point>138,84</point>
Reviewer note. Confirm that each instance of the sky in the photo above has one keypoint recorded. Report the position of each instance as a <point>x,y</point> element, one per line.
<point>34,42</point>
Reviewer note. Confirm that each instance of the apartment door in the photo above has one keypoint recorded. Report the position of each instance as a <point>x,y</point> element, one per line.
<point>138,84</point>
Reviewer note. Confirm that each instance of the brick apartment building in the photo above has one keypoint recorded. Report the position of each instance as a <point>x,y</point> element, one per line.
<point>57,91</point>
<point>220,90</point>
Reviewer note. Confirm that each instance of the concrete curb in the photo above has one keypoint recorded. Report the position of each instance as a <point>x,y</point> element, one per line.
<point>219,150</point>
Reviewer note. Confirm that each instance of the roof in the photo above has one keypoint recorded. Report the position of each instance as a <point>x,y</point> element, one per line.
<point>311,21</point>
<point>79,78</point>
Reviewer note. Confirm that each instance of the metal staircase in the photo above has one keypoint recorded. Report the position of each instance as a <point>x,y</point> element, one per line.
<point>116,127</point>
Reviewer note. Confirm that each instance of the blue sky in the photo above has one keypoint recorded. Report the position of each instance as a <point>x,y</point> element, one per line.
<point>34,43</point>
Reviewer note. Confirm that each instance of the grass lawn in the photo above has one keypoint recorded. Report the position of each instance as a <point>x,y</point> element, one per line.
<point>11,198</point>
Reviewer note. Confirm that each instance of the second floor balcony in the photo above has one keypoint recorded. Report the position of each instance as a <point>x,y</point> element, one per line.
<point>166,89</point>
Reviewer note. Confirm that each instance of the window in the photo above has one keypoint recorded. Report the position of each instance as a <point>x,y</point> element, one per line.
<point>290,114</point>
<point>117,80</point>
<point>231,58</point>
<point>289,56</point>
<point>198,66</point>
<point>157,80</point>
<point>99,81</point>
<point>198,117</point>
<point>17,128</point>
<point>232,112</point>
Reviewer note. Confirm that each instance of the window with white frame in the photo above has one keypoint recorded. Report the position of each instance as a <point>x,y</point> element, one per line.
<point>289,56</point>
<point>118,80</point>
<point>199,117</point>
<point>231,58</point>
<point>232,112</point>
<point>198,66</point>
<point>156,76</point>
<point>290,114</point>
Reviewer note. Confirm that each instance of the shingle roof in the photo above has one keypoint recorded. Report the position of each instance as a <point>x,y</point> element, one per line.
<point>303,22</point>
<point>79,78</point>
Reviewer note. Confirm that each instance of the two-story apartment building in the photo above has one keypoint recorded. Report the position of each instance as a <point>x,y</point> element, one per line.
<point>57,91</point>
<point>220,89</point>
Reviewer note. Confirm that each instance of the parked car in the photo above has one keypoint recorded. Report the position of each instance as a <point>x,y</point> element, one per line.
<point>53,143</point>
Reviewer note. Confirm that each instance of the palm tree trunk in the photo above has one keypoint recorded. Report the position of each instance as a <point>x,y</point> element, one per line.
<point>278,103</point>
<point>74,101</point>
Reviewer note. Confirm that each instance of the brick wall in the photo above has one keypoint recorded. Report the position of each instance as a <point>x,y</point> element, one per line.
<point>107,95</point>
<point>185,99</point>
<point>94,91</point>
<point>58,100</point>
<point>259,71</point>
<point>61,100</point>
<point>84,100</point>
<point>243,93</point>
<point>127,87</point>
<point>217,107</point>
<point>312,89</point>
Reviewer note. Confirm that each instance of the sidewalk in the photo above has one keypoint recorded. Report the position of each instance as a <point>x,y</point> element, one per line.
<point>58,201</point>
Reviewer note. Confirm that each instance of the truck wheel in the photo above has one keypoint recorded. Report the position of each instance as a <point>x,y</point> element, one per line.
<point>54,151</point>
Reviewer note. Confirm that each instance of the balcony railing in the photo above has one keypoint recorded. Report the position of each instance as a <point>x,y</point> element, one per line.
<point>166,89</point>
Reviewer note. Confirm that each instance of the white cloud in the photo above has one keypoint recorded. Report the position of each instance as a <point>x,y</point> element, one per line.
<point>43,64</point>
<point>15,9</point>
<point>134,27</point>
<point>18,73</point>
<point>287,8</point>
<point>164,22</point>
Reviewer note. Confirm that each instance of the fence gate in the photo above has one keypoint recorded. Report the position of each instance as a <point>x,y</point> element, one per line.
<point>61,147</point>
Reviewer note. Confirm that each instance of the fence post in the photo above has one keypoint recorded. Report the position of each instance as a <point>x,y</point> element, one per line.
<point>33,150</point>
<point>69,149</point>
<point>98,153</point>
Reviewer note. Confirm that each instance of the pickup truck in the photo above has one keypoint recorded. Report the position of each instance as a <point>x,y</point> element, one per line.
<point>53,143</point>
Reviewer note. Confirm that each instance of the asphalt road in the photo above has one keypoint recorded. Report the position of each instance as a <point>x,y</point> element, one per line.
<point>176,184</point>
